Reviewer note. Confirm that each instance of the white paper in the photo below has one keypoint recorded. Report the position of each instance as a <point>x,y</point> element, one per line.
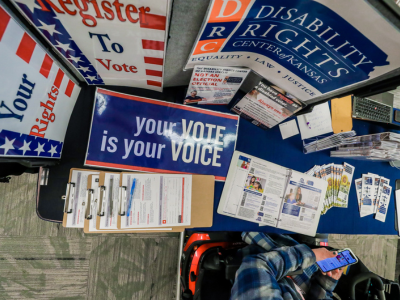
<point>288,129</point>
<point>377,181</point>
<point>110,202</point>
<point>76,219</point>
<point>265,193</point>
<point>367,207</point>
<point>157,200</point>
<point>303,216</point>
<point>94,203</point>
<point>319,119</point>
<point>384,201</point>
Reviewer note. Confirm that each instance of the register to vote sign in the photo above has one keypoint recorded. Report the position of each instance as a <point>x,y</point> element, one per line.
<point>141,134</point>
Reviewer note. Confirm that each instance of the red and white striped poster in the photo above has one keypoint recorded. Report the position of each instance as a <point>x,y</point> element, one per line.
<point>36,96</point>
<point>119,42</point>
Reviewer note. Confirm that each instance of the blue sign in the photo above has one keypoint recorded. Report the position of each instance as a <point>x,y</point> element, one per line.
<point>310,40</point>
<point>305,47</point>
<point>141,134</point>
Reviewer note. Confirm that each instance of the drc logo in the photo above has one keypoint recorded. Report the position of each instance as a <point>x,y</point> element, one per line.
<point>309,182</point>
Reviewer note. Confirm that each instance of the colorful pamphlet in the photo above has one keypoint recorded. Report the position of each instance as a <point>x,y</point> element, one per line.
<point>345,185</point>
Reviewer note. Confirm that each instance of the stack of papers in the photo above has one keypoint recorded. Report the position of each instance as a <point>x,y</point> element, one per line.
<point>339,178</point>
<point>377,147</point>
<point>329,142</point>
<point>373,194</point>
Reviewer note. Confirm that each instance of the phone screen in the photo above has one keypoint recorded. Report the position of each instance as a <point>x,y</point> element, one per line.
<point>344,258</point>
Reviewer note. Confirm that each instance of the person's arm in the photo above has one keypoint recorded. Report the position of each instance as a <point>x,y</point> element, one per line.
<point>258,275</point>
<point>321,285</point>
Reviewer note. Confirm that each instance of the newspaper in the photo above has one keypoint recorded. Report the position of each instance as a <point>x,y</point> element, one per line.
<point>262,192</point>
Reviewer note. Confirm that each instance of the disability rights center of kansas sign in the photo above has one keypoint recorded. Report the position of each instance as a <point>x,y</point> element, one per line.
<point>119,42</point>
<point>308,48</point>
<point>142,134</point>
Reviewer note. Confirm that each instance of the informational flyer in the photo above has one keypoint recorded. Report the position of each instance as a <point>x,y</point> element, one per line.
<point>345,185</point>
<point>383,204</point>
<point>367,194</point>
<point>214,85</point>
<point>156,200</point>
<point>262,192</point>
<point>141,134</point>
<point>36,96</point>
<point>308,48</point>
<point>113,43</point>
<point>266,105</point>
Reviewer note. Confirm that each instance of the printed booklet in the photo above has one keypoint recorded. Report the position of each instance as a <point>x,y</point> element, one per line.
<point>265,193</point>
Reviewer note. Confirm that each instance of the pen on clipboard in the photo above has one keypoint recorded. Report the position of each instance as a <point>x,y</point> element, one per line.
<point>307,122</point>
<point>130,197</point>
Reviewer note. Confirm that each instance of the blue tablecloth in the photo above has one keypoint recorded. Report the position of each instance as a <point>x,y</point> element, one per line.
<point>268,145</point>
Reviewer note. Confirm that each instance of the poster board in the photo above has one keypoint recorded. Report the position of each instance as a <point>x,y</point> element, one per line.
<point>308,48</point>
<point>36,96</point>
<point>159,137</point>
<point>119,43</point>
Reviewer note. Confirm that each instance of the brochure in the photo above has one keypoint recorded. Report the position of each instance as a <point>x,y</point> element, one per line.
<point>367,207</point>
<point>267,105</point>
<point>383,203</point>
<point>214,85</point>
<point>358,184</point>
<point>345,185</point>
<point>262,192</point>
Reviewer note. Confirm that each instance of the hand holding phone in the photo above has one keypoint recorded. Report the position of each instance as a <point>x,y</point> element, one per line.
<point>344,258</point>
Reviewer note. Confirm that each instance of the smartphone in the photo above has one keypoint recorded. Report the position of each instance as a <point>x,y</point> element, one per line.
<point>344,258</point>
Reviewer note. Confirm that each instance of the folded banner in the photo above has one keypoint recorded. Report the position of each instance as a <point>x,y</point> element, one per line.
<point>308,48</point>
<point>36,96</point>
<point>141,134</point>
<point>114,43</point>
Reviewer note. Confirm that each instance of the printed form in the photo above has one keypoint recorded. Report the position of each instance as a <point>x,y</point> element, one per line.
<point>154,200</point>
<point>77,217</point>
